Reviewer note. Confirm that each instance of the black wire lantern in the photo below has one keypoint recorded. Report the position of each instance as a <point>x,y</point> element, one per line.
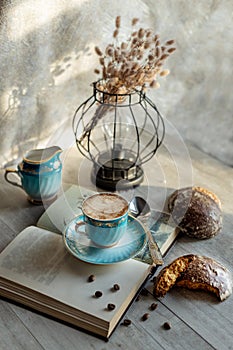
<point>118,133</point>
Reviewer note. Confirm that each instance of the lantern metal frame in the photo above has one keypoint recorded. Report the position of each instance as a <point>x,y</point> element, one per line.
<point>123,167</point>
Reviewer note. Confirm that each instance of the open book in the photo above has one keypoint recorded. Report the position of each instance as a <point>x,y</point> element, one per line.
<point>37,270</point>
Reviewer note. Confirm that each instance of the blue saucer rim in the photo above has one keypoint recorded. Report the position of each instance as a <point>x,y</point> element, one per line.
<point>82,258</point>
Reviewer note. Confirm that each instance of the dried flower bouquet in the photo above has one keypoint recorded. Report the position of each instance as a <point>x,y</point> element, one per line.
<point>135,63</point>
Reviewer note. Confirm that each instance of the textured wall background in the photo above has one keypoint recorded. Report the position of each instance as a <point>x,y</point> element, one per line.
<point>47,62</point>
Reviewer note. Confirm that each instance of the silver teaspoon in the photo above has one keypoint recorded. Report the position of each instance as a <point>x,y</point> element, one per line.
<point>140,209</point>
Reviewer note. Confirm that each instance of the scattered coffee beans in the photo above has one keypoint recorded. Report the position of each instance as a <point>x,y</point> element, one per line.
<point>127,322</point>
<point>111,306</point>
<point>153,306</point>
<point>167,325</point>
<point>116,287</point>
<point>98,294</point>
<point>91,278</point>
<point>145,317</point>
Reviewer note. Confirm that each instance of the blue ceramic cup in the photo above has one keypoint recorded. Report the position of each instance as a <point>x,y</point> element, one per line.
<point>105,218</point>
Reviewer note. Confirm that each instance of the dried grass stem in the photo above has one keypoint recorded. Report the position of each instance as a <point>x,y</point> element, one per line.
<point>134,63</point>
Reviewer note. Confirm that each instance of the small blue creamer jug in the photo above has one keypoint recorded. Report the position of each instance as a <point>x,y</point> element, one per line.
<point>40,174</point>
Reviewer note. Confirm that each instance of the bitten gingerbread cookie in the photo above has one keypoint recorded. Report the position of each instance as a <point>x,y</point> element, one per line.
<point>194,272</point>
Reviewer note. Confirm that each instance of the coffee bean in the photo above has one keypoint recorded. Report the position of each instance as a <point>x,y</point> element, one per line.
<point>91,278</point>
<point>144,291</point>
<point>167,325</point>
<point>116,287</point>
<point>98,294</point>
<point>153,306</point>
<point>111,306</point>
<point>126,322</point>
<point>145,317</point>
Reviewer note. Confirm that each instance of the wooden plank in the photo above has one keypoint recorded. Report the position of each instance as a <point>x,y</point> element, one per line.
<point>152,333</point>
<point>52,334</point>
<point>206,316</point>
<point>14,334</point>
<point>140,334</point>
<point>15,210</point>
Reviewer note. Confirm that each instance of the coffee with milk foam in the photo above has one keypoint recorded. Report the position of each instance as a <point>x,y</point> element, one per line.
<point>105,206</point>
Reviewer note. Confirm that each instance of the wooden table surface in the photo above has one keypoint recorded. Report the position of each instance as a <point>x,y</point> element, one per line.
<point>198,320</point>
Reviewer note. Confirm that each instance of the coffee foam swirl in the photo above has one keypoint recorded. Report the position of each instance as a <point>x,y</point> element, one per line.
<point>105,206</point>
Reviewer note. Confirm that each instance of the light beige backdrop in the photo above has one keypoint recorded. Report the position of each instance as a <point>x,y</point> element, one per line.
<point>47,62</point>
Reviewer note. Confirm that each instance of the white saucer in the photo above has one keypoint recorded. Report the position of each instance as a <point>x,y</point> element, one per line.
<point>84,249</point>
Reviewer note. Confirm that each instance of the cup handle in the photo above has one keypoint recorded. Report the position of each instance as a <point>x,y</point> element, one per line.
<point>7,172</point>
<point>78,225</point>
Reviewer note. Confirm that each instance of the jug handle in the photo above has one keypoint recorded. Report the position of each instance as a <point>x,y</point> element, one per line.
<point>7,172</point>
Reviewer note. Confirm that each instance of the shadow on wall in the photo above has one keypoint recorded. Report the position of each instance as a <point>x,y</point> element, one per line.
<point>41,57</point>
